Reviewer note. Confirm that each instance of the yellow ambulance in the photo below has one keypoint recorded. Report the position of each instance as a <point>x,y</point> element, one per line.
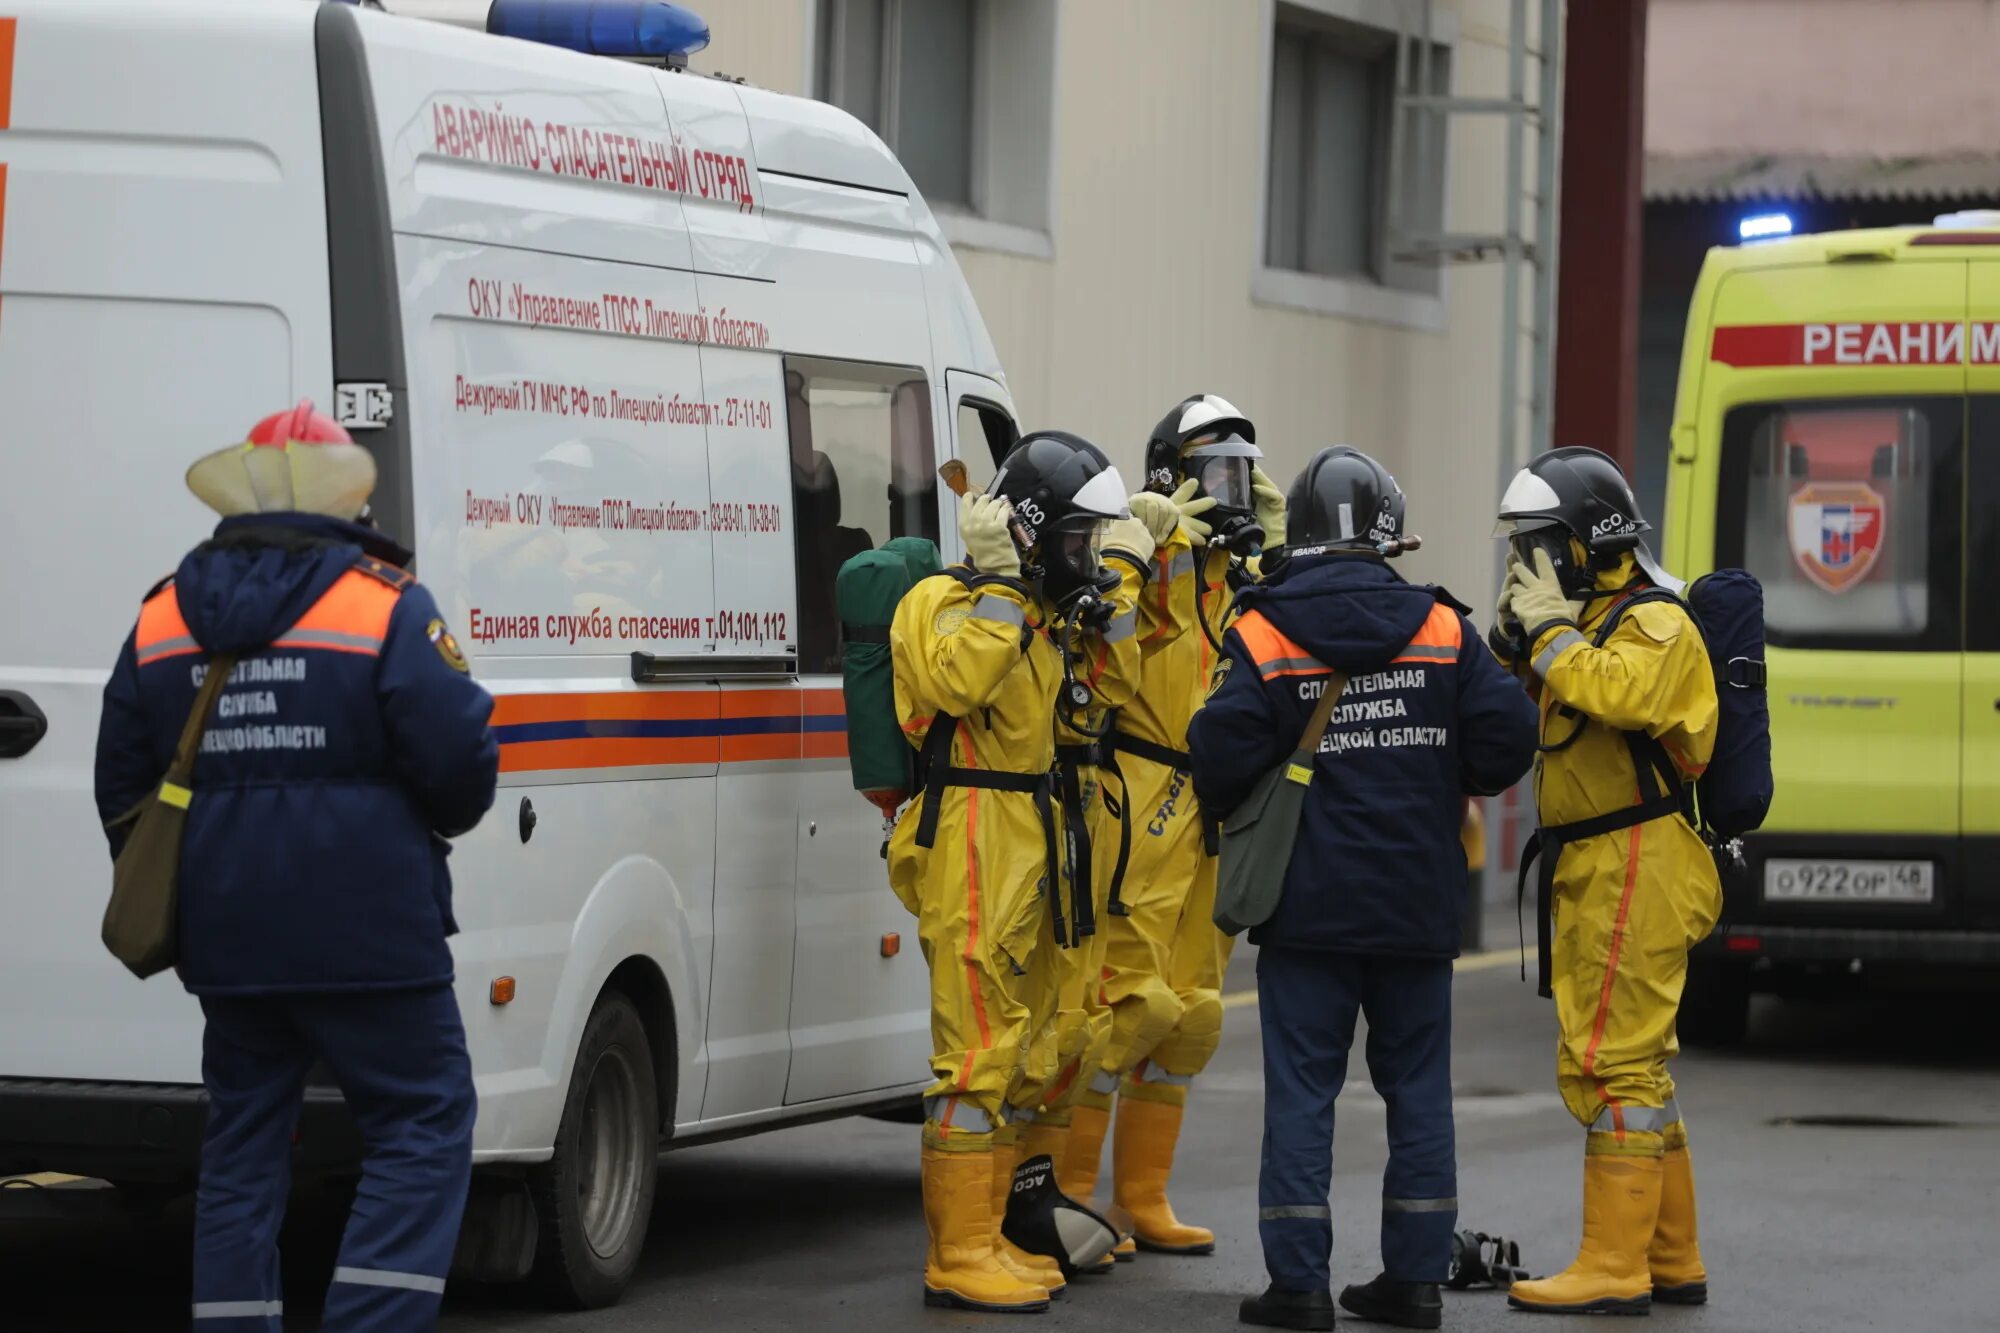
<point>1837,433</point>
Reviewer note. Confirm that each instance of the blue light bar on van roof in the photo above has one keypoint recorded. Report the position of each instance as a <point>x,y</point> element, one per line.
<point>1764,226</point>
<point>603,27</point>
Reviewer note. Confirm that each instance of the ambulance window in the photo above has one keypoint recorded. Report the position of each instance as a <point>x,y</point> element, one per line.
<point>864,469</point>
<point>986,425</point>
<point>1847,512</point>
<point>1982,539</point>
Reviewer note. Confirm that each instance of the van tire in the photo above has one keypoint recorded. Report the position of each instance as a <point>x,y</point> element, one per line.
<point>594,1198</point>
<point>1715,1004</point>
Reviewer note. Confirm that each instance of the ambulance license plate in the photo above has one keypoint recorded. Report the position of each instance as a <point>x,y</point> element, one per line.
<point>1849,881</point>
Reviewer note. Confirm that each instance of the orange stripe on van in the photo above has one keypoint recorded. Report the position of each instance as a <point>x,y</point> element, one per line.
<point>6,72</point>
<point>6,112</point>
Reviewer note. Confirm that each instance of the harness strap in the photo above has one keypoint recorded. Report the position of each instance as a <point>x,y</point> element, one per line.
<point>1070,763</point>
<point>1547,844</point>
<point>1126,743</point>
<point>939,773</point>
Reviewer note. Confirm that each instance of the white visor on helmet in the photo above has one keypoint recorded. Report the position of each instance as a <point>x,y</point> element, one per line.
<point>1103,495</point>
<point>1528,504</point>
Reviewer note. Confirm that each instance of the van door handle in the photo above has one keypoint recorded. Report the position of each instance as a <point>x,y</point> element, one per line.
<point>22,725</point>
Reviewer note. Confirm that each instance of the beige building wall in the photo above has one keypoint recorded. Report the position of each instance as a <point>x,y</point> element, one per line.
<point>1882,78</point>
<point>1155,239</point>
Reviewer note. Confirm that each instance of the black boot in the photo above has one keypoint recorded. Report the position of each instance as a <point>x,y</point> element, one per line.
<point>1278,1308</point>
<point>1404,1304</point>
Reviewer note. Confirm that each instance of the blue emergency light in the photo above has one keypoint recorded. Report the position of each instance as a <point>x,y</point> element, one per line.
<point>1764,226</point>
<point>646,28</point>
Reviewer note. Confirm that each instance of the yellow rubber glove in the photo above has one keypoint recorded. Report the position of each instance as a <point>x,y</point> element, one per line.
<point>1270,505</point>
<point>1132,536</point>
<point>1190,504</point>
<point>1503,610</point>
<point>1538,598</point>
<point>982,522</point>
<point>1157,512</point>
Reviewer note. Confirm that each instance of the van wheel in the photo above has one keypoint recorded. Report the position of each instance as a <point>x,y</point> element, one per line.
<point>594,1198</point>
<point>1715,1005</point>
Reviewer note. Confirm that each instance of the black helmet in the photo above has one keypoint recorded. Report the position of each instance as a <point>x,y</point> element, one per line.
<point>1063,490</point>
<point>1573,492</point>
<point>1344,501</point>
<point>1206,438</point>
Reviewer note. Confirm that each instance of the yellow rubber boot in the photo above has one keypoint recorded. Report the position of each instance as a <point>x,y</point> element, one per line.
<point>1675,1257</point>
<point>1621,1205</point>
<point>1038,1269</point>
<point>1142,1158</point>
<point>960,1269</point>
<point>1076,1169</point>
<point>1044,1139</point>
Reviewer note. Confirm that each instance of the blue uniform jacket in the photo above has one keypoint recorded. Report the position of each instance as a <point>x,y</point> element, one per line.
<point>1428,718</point>
<point>350,744</point>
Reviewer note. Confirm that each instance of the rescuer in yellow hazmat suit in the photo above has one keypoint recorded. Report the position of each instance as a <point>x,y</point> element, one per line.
<point>1626,725</point>
<point>1164,958</point>
<point>1108,666</point>
<point>975,856</point>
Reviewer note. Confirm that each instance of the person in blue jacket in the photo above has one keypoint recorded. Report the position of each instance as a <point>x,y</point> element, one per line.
<point>315,903</point>
<point>1368,922</point>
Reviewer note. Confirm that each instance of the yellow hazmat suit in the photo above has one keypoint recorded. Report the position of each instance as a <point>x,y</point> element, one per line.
<point>974,659</point>
<point>1628,905</point>
<point>1164,960</point>
<point>1110,666</point>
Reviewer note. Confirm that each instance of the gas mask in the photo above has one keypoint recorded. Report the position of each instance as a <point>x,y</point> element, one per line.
<point>1223,473</point>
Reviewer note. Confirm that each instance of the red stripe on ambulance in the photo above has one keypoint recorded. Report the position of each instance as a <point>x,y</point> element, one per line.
<point>1926,343</point>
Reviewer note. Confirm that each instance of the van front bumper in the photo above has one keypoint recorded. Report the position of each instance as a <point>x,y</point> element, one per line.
<point>146,1132</point>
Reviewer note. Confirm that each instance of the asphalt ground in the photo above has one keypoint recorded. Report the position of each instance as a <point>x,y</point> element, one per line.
<point>1848,1162</point>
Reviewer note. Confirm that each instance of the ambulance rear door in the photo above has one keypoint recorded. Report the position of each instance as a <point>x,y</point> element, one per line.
<point>1832,430</point>
<point>1979,788</point>
<point>163,285</point>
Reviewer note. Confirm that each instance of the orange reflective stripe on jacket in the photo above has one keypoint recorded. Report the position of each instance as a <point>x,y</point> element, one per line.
<point>1439,640</point>
<point>350,617</point>
<point>162,631</point>
<point>1271,652</point>
<point>1275,655</point>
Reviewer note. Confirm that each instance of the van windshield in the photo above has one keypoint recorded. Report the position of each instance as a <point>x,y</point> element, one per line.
<point>1843,511</point>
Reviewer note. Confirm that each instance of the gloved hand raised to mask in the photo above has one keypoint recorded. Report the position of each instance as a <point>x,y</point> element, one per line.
<point>1131,536</point>
<point>1189,503</point>
<point>1157,512</point>
<point>1535,597</point>
<point>983,522</point>
<point>1270,502</point>
<point>1505,634</point>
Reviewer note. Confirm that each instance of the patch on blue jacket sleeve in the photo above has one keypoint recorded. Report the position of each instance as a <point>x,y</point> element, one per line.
<point>1220,675</point>
<point>447,646</point>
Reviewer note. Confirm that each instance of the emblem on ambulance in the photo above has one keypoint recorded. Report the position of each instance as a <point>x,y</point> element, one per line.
<point>1837,532</point>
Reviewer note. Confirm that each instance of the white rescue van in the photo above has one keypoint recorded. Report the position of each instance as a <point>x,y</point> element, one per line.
<point>643,355</point>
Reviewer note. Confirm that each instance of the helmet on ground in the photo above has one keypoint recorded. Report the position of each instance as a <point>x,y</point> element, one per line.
<point>1575,504</point>
<point>1063,491</point>
<point>1344,501</point>
<point>298,461</point>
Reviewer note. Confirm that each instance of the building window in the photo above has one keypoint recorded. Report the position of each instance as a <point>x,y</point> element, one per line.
<point>961,92</point>
<point>1327,207</point>
<point>864,469</point>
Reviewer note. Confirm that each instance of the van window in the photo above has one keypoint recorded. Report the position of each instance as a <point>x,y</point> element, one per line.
<point>1982,539</point>
<point>984,421</point>
<point>1848,512</point>
<point>864,469</point>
